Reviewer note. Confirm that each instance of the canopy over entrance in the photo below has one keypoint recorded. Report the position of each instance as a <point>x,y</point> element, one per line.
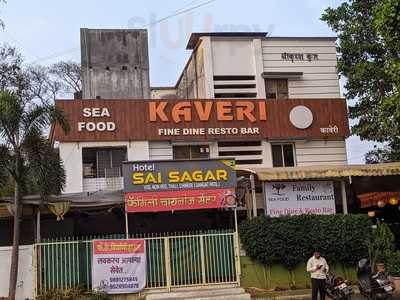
<point>325,172</point>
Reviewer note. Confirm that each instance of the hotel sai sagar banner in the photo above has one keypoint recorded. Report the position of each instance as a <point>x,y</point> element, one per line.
<point>179,185</point>
<point>296,198</point>
<point>119,266</point>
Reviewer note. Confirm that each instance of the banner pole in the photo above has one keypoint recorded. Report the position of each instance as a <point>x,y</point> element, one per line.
<point>236,222</point>
<point>126,225</point>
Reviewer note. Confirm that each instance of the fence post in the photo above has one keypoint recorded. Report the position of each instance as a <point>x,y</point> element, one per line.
<point>167,262</point>
<point>237,256</point>
<point>236,244</point>
<point>203,262</point>
<point>35,270</point>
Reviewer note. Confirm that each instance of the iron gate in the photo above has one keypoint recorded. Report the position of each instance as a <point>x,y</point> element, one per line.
<point>172,261</point>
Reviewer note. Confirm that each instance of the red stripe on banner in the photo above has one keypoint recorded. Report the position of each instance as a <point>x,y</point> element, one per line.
<point>179,200</point>
<point>118,246</point>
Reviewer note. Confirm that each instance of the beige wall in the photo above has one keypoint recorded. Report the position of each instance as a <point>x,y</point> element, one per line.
<point>320,78</point>
<point>232,57</point>
<point>321,152</point>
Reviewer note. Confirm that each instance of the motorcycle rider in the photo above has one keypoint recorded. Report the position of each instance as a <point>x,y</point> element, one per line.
<point>317,267</point>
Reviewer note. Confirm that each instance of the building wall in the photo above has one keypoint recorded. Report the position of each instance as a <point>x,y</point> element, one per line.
<point>321,152</point>
<point>115,63</point>
<point>163,93</point>
<point>320,77</point>
<point>160,150</point>
<point>232,57</point>
<point>233,68</point>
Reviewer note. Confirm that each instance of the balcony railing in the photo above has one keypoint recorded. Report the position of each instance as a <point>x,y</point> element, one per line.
<point>111,182</point>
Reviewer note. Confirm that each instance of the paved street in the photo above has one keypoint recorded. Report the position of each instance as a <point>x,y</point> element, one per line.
<point>354,297</point>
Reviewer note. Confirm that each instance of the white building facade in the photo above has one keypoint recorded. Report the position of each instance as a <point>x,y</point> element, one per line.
<point>300,71</point>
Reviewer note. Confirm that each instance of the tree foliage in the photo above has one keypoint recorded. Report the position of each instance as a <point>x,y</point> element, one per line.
<point>369,57</point>
<point>27,158</point>
<point>292,240</point>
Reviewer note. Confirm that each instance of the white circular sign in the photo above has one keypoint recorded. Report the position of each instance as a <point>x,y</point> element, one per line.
<point>301,117</point>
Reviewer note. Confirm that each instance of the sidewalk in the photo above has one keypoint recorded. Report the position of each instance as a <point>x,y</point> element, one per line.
<point>300,294</point>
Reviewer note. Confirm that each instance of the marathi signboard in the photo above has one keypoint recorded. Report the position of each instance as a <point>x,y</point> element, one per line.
<point>179,185</point>
<point>296,198</point>
<point>119,266</point>
<point>197,119</point>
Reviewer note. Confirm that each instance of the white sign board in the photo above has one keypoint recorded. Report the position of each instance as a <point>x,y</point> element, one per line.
<point>301,197</point>
<point>119,266</point>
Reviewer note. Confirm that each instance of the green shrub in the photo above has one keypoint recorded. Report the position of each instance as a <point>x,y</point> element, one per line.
<point>72,294</point>
<point>292,240</point>
<point>393,264</point>
<point>380,244</point>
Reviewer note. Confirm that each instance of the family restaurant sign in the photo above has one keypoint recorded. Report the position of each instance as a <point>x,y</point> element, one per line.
<point>299,197</point>
<point>179,185</point>
<point>197,120</point>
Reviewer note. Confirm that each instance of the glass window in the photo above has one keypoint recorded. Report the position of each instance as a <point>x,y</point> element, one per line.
<point>276,88</point>
<point>191,151</point>
<point>277,159</point>
<point>282,88</point>
<point>103,162</point>
<point>283,155</point>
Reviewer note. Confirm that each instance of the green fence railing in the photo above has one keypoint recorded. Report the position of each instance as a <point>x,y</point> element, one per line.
<point>177,260</point>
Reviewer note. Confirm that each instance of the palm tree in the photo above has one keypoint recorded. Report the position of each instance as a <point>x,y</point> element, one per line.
<point>27,157</point>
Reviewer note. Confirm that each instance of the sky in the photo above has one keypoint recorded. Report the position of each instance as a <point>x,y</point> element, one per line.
<point>47,31</point>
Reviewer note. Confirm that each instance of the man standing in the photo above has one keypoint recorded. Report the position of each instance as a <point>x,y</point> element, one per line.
<point>318,267</point>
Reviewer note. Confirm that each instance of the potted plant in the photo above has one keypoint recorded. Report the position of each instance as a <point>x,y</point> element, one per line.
<point>380,244</point>
<point>393,268</point>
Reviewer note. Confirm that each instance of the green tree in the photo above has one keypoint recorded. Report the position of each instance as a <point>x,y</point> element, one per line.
<point>26,156</point>
<point>369,41</point>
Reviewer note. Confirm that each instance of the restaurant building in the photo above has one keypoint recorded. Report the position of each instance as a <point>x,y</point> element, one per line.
<point>264,101</point>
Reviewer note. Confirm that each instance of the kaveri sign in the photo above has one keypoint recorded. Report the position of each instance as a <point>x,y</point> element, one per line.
<point>200,119</point>
<point>179,185</point>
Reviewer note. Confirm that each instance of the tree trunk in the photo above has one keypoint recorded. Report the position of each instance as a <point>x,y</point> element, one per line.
<point>15,247</point>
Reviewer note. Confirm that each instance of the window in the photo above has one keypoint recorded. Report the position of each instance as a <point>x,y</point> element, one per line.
<point>276,88</point>
<point>191,151</point>
<point>283,155</point>
<point>103,162</point>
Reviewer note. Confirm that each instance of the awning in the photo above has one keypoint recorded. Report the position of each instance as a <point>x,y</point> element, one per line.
<point>84,199</point>
<point>325,172</point>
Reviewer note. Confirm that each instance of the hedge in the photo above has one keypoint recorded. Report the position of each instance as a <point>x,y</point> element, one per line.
<point>292,240</point>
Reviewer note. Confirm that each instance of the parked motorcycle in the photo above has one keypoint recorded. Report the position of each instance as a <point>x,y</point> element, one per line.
<point>337,288</point>
<point>373,285</point>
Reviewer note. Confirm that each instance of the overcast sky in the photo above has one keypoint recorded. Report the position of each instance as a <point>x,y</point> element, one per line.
<point>47,31</point>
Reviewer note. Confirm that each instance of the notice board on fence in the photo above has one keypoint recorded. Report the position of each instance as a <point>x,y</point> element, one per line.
<point>299,197</point>
<point>119,266</point>
<point>179,185</point>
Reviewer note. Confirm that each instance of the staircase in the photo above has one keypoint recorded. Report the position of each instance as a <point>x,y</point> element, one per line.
<point>217,292</point>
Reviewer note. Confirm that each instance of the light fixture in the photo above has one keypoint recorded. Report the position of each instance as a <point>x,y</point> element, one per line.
<point>393,201</point>
<point>381,203</point>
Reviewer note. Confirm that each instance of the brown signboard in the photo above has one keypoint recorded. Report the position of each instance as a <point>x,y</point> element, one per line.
<point>201,120</point>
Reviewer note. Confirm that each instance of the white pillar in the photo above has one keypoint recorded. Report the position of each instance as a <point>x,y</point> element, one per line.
<point>38,225</point>
<point>253,195</point>
<point>259,68</point>
<point>208,67</point>
<point>344,196</point>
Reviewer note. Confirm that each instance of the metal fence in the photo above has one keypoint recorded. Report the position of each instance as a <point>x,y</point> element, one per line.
<point>184,259</point>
